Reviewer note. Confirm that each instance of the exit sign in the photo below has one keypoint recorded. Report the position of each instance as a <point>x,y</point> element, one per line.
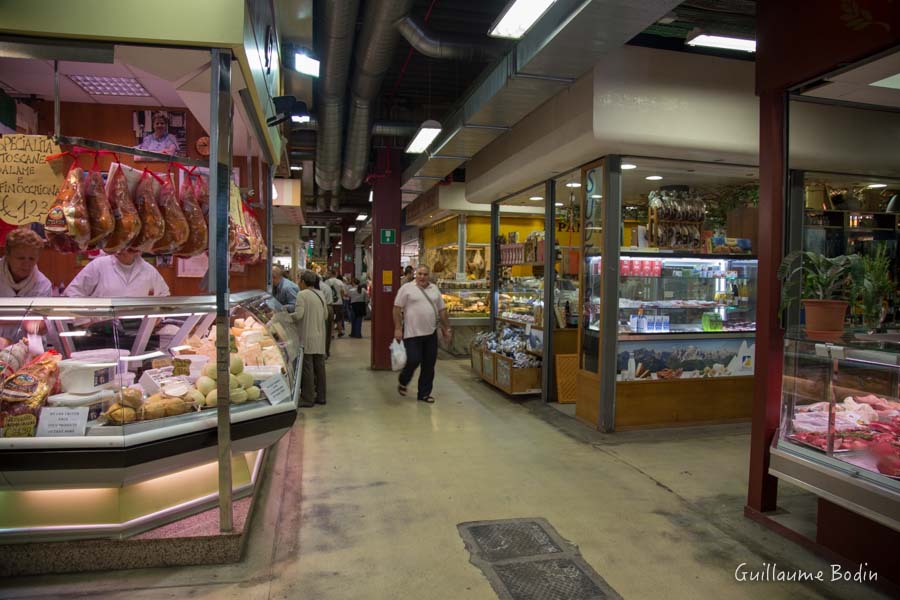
<point>388,236</point>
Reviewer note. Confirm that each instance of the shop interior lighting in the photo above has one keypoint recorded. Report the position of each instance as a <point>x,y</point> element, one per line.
<point>296,168</point>
<point>351,229</point>
<point>536,198</point>
<point>299,118</point>
<point>305,63</point>
<point>110,86</point>
<point>179,348</point>
<point>371,194</point>
<point>428,130</point>
<point>81,333</point>
<point>312,227</point>
<point>722,42</point>
<point>155,354</point>
<point>628,166</point>
<point>559,204</point>
<point>892,82</point>
<point>573,184</point>
<point>517,17</point>
<point>362,217</point>
<point>653,177</point>
<point>875,186</point>
<point>596,196</point>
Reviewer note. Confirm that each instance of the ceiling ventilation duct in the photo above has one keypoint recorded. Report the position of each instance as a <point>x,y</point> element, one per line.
<point>374,51</point>
<point>340,23</point>
<point>450,48</point>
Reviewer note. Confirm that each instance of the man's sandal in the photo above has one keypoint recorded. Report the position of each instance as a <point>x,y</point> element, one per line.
<point>401,389</point>
<point>428,399</point>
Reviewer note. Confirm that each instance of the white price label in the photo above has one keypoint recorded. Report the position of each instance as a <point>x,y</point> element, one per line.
<point>276,389</point>
<point>59,421</point>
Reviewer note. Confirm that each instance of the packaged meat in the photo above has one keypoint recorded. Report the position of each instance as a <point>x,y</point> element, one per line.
<point>67,225</point>
<point>176,230</point>
<point>198,237</point>
<point>152,223</point>
<point>13,357</point>
<point>125,215</point>
<point>99,212</point>
<point>25,392</point>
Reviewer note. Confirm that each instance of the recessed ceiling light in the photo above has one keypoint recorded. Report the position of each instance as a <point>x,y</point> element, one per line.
<point>573,184</point>
<point>362,217</point>
<point>628,166</point>
<point>559,204</point>
<point>596,196</point>
<point>873,186</point>
<point>109,86</point>
<point>296,168</point>
<point>306,64</point>
<point>536,198</point>
<point>653,177</point>
<point>517,17</point>
<point>371,194</point>
<point>351,229</point>
<point>725,43</point>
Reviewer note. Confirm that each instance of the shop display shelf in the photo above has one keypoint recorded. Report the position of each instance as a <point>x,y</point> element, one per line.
<point>516,381</point>
<point>516,323</point>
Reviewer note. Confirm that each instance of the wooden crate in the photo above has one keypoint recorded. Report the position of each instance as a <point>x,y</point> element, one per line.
<point>515,381</point>
<point>488,368</point>
<point>475,355</point>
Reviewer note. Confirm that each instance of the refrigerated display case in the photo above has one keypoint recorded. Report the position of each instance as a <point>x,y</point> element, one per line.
<point>121,400</point>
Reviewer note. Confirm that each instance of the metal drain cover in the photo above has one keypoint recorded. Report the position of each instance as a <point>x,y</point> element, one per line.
<point>526,559</point>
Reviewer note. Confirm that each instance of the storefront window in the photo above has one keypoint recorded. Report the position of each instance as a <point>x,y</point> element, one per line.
<point>592,234</point>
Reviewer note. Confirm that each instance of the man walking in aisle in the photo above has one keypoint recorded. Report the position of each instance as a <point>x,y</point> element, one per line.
<point>418,308</point>
<point>311,314</point>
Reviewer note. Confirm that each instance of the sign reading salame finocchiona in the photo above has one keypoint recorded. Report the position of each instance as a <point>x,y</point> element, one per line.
<point>28,183</point>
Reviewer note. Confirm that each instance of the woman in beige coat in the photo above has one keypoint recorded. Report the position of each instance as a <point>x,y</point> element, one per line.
<point>311,315</point>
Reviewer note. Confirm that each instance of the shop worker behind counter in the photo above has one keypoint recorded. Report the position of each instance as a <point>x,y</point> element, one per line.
<point>160,140</point>
<point>121,275</point>
<point>420,306</point>
<point>311,316</point>
<point>20,277</point>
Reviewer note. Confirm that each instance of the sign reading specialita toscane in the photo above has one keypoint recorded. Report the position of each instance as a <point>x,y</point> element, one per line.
<point>28,184</point>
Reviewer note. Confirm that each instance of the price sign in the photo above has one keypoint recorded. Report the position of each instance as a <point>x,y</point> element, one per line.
<point>276,389</point>
<point>28,184</point>
<point>58,421</point>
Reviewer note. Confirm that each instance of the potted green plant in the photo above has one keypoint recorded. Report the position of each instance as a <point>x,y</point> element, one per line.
<point>825,286</point>
<point>874,287</point>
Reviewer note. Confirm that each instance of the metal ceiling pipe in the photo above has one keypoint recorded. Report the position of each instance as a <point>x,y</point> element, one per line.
<point>373,56</point>
<point>426,43</point>
<point>340,25</point>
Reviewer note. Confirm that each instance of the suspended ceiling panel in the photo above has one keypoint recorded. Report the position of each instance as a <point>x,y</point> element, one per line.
<point>855,85</point>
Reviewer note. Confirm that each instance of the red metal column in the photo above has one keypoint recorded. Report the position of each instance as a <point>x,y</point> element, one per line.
<point>347,249</point>
<point>763,488</point>
<point>385,270</point>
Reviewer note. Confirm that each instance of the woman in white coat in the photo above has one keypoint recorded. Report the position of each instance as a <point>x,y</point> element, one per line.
<point>20,278</point>
<point>121,275</point>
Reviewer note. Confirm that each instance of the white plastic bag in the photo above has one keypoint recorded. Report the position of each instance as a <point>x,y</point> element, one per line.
<point>398,355</point>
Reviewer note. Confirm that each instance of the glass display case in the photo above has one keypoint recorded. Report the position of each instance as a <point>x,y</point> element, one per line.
<point>466,299</point>
<point>519,298</point>
<point>839,434</point>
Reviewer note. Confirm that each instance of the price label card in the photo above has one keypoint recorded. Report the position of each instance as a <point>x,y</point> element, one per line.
<point>28,184</point>
<point>276,389</point>
<point>58,421</point>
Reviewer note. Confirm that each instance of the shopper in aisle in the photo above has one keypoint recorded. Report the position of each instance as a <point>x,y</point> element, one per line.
<point>337,300</point>
<point>121,275</point>
<point>347,280</point>
<point>409,274</point>
<point>284,290</point>
<point>358,300</point>
<point>310,314</point>
<point>160,140</point>
<point>418,308</point>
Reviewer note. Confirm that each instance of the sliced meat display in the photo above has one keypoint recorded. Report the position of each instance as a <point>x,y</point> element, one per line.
<point>176,230</point>
<point>99,212</point>
<point>125,214</point>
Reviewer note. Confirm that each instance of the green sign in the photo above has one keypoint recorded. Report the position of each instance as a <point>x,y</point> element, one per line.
<point>388,236</point>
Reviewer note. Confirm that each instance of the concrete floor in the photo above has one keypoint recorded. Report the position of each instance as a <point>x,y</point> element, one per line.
<point>363,498</point>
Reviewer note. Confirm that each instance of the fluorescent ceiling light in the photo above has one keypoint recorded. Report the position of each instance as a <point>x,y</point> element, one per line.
<point>72,333</point>
<point>596,196</point>
<point>874,186</point>
<point>518,17</point>
<point>156,354</point>
<point>559,204</point>
<point>573,184</point>
<point>424,136</point>
<point>362,217</point>
<point>300,118</point>
<point>296,168</point>
<point>536,198</point>
<point>179,348</point>
<point>312,227</point>
<point>653,177</point>
<point>892,82</point>
<point>351,229</point>
<point>304,63</point>
<point>628,166</point>
<point>110,86</point>
<point>726,43</point>
<point>371,194</point>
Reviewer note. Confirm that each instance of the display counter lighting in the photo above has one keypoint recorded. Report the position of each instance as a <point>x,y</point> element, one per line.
<point>653,177</point>
<point>362,217</point>
<point>559,204</point>
<point>722,42</point>
<point>875,186</point>
<point>21,318</point>
<point>155,354</point>
<point>518,17</point>
<point>628,166</point>
<point>573,184</point>
<point>72,333</point>
<point>536,198</point>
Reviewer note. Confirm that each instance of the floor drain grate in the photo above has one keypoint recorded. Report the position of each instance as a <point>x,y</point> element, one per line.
<point>526,559</point>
